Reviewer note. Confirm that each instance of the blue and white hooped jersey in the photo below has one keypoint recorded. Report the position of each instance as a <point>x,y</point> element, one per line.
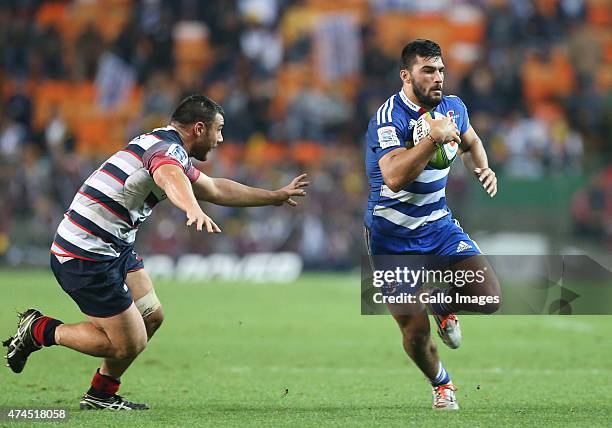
<point>421,201</point>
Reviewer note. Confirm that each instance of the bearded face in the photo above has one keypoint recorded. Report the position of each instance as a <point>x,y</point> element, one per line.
<point>427,81</point>
<point>209,139</point>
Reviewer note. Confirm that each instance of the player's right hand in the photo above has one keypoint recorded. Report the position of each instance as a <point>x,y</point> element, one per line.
<point>295,188</point>
<point>200,219</point>
<point>444,130</point>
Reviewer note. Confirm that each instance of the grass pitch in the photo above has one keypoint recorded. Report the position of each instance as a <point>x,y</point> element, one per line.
<point>302,355</point>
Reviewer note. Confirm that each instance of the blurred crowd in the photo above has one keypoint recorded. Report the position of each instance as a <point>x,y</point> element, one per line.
<point>299,80</point>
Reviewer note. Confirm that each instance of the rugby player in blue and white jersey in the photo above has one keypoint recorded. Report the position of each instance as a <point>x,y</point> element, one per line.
<point>407,212</point>
<point>93,258</point>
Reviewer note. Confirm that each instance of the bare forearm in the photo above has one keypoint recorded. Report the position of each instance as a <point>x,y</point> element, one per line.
<point>177,187</point>
<point>405,167</point>
<point>233,194</point>
<point>475,156</point>
<point>476,162</point>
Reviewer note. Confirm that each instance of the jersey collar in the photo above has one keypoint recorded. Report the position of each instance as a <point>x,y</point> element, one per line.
<point>409,103</point>
<point>171,128</point>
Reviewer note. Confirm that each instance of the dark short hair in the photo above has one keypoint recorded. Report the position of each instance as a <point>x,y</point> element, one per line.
<point>421,47</point>
<point>196,108</point>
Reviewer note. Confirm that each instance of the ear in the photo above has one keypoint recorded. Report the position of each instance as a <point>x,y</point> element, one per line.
<point>405,75</point>
<point>199,128</point>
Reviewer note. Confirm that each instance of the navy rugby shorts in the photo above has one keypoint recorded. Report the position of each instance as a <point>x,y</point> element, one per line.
<point>434,246</point>
<point>443,237</point>
<point>98,288</point>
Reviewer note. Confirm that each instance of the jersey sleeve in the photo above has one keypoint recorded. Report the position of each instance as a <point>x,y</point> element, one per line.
<point>464,118</point>
<point>166,153</point>
<point>384,137</point>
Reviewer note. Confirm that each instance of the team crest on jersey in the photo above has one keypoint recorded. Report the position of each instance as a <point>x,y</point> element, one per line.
<point>387,137</point>
<point>452,116</point>
<point>177,152</point>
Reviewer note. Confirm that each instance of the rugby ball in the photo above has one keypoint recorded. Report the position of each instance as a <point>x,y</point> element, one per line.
<point>444,155</point>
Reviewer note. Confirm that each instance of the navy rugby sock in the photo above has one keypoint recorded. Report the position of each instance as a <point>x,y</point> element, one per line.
<point>43,331</point>
<point>442,378</point>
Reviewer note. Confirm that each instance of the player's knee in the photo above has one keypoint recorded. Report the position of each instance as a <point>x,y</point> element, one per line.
<point>494,297</point>
<point>123,354</point>
<point>491,308</point>
<point>492,286</point>
<point>150,308</point>
<point>129,350</point>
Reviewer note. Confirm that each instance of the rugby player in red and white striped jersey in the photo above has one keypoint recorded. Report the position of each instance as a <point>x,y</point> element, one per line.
<point>93,257</point>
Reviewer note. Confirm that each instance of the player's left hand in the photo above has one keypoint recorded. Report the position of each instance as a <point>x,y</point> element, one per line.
<point>487,178</point>
<point>295,188</point>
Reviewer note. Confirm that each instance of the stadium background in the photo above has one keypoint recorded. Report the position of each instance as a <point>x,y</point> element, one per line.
<point>299,81</point>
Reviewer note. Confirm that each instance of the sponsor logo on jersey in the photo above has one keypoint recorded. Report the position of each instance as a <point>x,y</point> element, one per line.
<point>411,123</point>
<point>387,137</point>
<point>177,152</point>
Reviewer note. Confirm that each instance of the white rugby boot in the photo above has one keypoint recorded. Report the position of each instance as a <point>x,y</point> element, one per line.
<point>444,397</point>
<point>449,330</point>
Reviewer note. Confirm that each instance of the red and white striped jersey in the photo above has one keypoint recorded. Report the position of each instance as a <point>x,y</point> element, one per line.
<point>104,216</point>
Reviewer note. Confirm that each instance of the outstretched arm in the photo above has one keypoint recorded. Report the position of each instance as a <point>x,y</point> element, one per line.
<point>222,191</point>
<point>474,158</point>
<point>177,187</point>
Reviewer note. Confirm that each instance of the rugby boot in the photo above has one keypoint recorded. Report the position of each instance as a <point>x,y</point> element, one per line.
<point>449,330</point>
<point>22,344</point>
<point>114,402</point>
<point>444,397</point>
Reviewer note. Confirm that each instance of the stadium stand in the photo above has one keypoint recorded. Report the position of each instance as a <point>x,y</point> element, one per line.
<point>536,77</point>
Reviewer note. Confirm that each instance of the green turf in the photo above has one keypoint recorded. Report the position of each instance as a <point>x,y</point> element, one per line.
<point>301,355</point>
